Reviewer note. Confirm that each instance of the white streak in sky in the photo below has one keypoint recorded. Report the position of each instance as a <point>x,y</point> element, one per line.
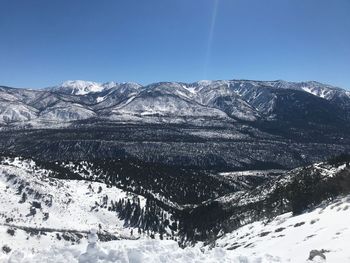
<point>211,36</point>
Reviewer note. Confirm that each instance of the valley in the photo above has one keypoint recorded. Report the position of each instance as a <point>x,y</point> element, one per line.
<point>207,166</point>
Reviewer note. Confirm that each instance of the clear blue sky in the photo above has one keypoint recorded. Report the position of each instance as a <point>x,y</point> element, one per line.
<point>43,43</point>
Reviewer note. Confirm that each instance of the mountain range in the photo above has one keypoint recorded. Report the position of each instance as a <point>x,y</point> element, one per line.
<point>222,125</point>
<point>174,102</point>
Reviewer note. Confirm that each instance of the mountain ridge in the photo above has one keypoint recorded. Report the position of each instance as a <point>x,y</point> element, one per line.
<point>214,124</point>
<point>231,100</point>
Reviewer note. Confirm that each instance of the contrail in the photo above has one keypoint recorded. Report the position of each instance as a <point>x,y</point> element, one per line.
<point>210,37</point>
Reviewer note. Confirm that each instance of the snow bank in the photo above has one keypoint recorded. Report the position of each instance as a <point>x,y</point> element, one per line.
<point>131,251</point>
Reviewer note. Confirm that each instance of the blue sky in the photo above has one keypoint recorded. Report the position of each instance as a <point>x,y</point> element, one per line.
<point>43,43</point>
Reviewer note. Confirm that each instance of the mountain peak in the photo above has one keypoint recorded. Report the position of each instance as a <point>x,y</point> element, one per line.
<point>80,87</point>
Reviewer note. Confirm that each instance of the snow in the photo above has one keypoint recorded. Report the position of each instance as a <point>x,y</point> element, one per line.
<point>84,203</point>
<point>218,134</point>
<point>79,100</point>
<point>165,106</point>
<point>100,99</point>
<point>190,89</point>
<point>109,85</point>
<point>62,112</point>
<point>16,112</point>
<point>127,251</point>
<point>85,171</point>
<point>291,238</point>
<point>251,173</point>
<point>124,103</point>
<point>205,82</point>
<point>319,92</point>
<point>81,87</point>
<point>285,238</point>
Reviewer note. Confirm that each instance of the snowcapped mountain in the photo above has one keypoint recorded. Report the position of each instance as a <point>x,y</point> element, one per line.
<point>234,100</point>
<point>166,100</point>
<point>275,123</point>
<point>313,87</point>
<point>220,95</point>
<point>80,87</point>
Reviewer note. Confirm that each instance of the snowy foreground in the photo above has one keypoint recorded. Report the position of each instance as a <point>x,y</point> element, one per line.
<point>325,231</point>
<point>152,251</point>
<point>44,219</point>
<point>287,238</point>
<point>136,251</point>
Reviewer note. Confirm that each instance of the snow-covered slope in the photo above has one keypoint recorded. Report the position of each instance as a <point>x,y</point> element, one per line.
<point>321,235</point>
<point>313,87</point>
<point>31,200</point>
<point>219,95</point>
<point>166,105</point>
<point>116,95</point>
<point>48,209</point>
<point>16,112</point>
<point>80,87</point>
<point>128,251</point>
<point>63,112</point>
<point>51,203</point>
<point>289,238</point>
<point>30,197</point>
